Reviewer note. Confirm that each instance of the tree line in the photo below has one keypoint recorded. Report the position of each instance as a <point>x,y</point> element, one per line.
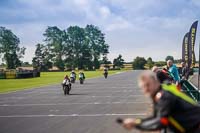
<point>74,47</point>
<point>142,63</point>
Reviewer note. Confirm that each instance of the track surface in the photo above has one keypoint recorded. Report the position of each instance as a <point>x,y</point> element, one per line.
<point>91,108</point>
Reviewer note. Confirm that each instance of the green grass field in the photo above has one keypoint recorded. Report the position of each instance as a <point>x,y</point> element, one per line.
<point>47,78</point>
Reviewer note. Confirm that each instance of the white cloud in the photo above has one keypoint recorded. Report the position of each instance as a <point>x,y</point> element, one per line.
<point>196,2</point>
<point>82,3</point>
<point>117,23</point>
<point>145,28</point>
<point>105,12</point>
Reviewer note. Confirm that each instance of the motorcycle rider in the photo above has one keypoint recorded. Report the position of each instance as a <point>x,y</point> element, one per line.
<point>174,71</point>
<point>173,110</point>
<point>105,72</point>
<point>81,75</point>
<point>184,71</point>
<point>73,75</point>
<point>66,78</point>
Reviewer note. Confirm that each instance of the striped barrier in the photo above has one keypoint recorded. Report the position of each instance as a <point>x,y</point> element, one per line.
<point>191,90</point>
<point>12,74</point>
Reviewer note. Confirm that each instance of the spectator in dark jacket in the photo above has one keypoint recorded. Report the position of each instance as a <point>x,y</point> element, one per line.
<point>174,111</point>
<point>184,71</point>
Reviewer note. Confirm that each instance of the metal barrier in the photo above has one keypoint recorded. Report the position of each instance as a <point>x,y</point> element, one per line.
<point>2,75</point>
<point>12,74</point>
<point>191,90</point>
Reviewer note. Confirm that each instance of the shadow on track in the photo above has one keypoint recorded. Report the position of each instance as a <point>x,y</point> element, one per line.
<point>77,94</point>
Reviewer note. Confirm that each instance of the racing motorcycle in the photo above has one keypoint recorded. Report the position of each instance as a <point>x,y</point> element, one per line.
<point>66,86</point>
<point>72,78</point>
<point>105,75</point>
<point>81,78</point>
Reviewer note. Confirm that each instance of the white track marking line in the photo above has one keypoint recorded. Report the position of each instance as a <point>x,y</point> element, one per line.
<point>54,97</point>
<point>15,98</point>
<point>53,110</point>
<point>53,104</point>
<point>71,115</point>
<point>87,92</point>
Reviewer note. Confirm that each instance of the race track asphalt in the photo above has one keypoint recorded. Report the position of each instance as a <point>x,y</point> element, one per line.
<point>91,108</point>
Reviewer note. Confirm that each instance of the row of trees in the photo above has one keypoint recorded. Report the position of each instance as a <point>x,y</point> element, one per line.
<point>142,63</point>
<point>118,62</point>
<point>75,47</point>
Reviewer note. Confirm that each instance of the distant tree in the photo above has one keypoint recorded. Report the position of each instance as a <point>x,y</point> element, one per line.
<point>37,60</point>
<point>9,48</point>
<point>96,63</point>
<point>160,63</point>
<point>105,60</point>
<point>139,63</point>
<point>80,53</point>
<point>41,61</point>
<point>177,60</point>
<point>26,64</point>
<point>118,62</point>
<point>54,37</point>
<point>97,45</point>
<point>2,65</point>
<point>85,47</point>
<point>150,62</point>
<point>169,58</point>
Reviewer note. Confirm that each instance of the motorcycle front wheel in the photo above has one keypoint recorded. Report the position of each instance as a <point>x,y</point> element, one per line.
<point>66,90</point>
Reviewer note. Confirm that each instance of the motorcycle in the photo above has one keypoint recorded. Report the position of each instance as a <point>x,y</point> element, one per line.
<point>73,79</point>
<point>105,75</point>
<point>81,79</point>
<point>66,86</point>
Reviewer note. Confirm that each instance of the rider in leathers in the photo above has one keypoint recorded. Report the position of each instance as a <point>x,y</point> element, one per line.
<point>174,112</point>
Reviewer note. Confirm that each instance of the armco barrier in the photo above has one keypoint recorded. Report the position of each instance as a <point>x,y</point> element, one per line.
<point>36,74</point>
<point>25,75</point>
<point>2,75</point>
<point>11,74</point>
<point>191,90</point>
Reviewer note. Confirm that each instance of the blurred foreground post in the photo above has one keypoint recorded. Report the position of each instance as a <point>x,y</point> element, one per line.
<point>199,74</point>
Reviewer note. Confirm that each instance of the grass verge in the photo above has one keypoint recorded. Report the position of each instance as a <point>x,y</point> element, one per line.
<point>47,78</point>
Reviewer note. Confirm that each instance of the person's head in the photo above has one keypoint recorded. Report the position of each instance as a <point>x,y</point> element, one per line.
<point>169,63</point>
<point>72,71</point>
<point>66,76</point>
<point>149,83</point>
<point>155,69</point>
<point>183,64</point>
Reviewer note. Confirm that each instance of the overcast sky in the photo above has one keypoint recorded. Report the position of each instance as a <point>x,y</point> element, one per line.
<point>133,27</point>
